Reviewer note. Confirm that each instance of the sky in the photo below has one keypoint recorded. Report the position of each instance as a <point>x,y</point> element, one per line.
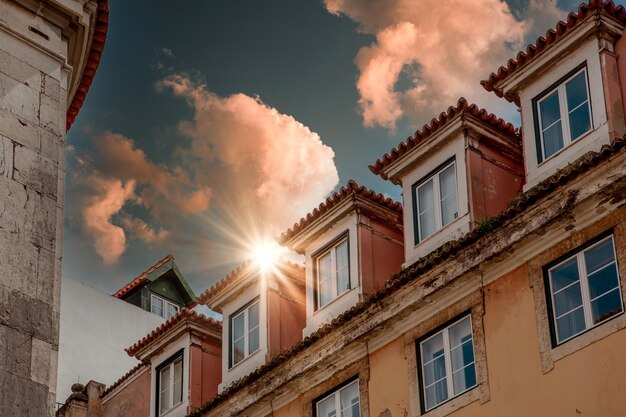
<point>215,125</point>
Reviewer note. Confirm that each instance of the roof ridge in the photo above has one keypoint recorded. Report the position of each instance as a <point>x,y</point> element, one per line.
<point>351,188</point>
<point>164,327</point>
<point>552,36</point>
<point>139,278</point>
<point>462,107</point>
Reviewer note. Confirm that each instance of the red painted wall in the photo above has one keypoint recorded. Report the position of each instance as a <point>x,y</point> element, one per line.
<point>286,314</point>
<point>494,180</point>
<point>205,371</point>
<point>613,71</point>
<point>133,400</point>
<point>381,254</point>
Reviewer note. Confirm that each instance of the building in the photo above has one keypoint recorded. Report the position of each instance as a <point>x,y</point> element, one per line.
<point>507,298</point>
<point>88,313</point>
<point>49,53</point>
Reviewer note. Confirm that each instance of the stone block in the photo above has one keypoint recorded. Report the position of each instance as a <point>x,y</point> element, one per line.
<point>52,88</point>
<point>28,315</point>
<point>51,144</point>
<point>19,130</point>
<point>6,156</point>
<point>50,114</point>
<point>19,276</point>
<point>40,361</point>
<point>40,225</point>
<point>21,71</point>
<point>35,171</point>
<point>15,352</point>
<point>45,275</point>
<point>19,98</point>
<point>21,397</point>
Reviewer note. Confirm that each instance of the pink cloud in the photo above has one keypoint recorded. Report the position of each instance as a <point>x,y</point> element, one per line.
<point>439,49</point>
<point>138,229</point>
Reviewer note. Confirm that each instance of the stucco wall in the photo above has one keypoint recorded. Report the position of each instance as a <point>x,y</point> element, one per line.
<point>133,400</point>
<point>86,315</point>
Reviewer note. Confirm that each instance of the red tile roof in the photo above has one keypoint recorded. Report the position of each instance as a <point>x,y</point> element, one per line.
<point>552,37</point>
<point>517,207</point>
<point>182,315</point>
<point>93,61</point>
<point>462,107</point>
<point>142,277</point>
<point>351,190</point>
<point>119,382</point>
<point>236,273</point>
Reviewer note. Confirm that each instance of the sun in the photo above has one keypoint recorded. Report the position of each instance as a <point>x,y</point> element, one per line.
<point>265,254</point>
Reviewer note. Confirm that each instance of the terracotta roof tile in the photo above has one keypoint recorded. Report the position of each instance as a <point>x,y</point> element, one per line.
<point>413,272</point>
<point>351,190</point>
<point>462,106</point>
<point>93,61</point>
<point>182,315</point>
<point>552,37</point>
<point>119,382</point>
<point>236,273</point>
<point>142,277</point>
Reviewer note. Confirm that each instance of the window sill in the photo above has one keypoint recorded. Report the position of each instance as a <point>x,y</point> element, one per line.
<point>455,403</point>
<point>171,410</point>
<point>564,148</point>
<point>446,229</point>
<point>335,300</point>
<point>244,360</point>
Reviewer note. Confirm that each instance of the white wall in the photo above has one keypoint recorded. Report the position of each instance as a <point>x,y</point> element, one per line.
<point>95,329</point>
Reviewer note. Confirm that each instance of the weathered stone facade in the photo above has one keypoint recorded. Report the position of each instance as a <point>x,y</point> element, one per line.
<point>43,52</point>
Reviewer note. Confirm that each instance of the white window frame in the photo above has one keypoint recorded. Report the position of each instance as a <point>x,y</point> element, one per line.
<point>332,250</point>
<point>583,278</point>
<point>448,363</point>
<point>170,364</point>
<point>437,195</point>
<point>246,333</point>
<point>337,394</point>
<point>564,113</point>
<point>166,303</point>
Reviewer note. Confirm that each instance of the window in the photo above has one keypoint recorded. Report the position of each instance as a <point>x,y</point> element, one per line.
<point>170,384</point>
<point>244,333</point>
<point>435,202</point>
<point>333,272</point>
<point>162,307</point>
<point>343,402</point>
<point>584,290</point>
<point>564,114</point>
<point>447,363</point>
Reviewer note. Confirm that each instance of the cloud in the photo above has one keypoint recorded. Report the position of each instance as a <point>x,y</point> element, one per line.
<point>246,170</point>
<point>428,53</point>
<point>97,210</point>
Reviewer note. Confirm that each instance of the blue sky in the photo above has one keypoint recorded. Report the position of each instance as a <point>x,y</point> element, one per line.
<point>174,82</point>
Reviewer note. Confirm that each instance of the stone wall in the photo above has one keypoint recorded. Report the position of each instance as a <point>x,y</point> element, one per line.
<point>35,67</point>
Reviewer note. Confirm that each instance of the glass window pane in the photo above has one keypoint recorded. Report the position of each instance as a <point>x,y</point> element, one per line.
<point>238,351</point>
<point>550,110</point>
<point>579,121</point>
<point>164,385</point>
<point>238,330</point>
<point>460,332</point>
<point>568,299</point>
<point>606,306</point>
<point>436,394</point>
<point>564,275</point>
<point>325,284</point>
<point>326,407</point>
<point>603,281</point>
<point>599,256</point>
<point>552,140</point>
<point>426,207</point>
<point>349,398</point>
<point>432,348</point>
<point>178,381</point>
<point>464,379</point>
<point>172,309</point>
<point>157,306</point>
<point>434,370</point>
<point>447,185</point>
<point>570,324</point>
<point>343,272</point>
<point>253,340</point>
<point>576,90</point>
<point>253,315</point>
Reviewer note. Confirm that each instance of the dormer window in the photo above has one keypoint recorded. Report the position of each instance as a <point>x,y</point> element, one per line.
<point>162,307</point>
<point>435,201</point>
<point>244,340</point>
<point>563,113</point>
<point>333,271</point>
